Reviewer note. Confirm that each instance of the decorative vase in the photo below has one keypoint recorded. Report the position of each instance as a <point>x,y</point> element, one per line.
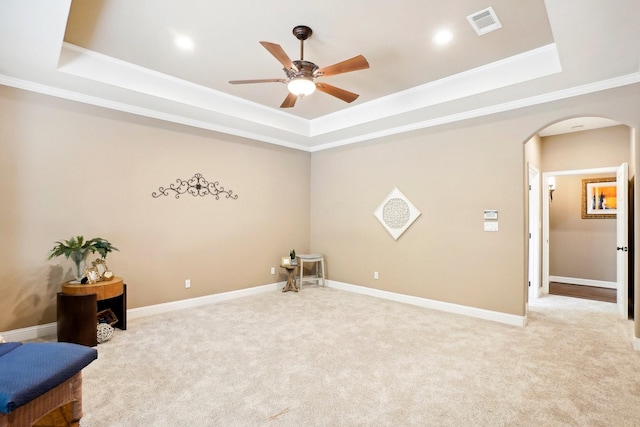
<point>78,274</point>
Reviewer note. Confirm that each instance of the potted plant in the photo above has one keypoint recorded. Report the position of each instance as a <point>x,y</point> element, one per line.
<point>77,248</point>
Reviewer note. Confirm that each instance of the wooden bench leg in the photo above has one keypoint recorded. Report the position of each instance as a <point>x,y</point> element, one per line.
<point>68,393</point>
<point>59,417</point>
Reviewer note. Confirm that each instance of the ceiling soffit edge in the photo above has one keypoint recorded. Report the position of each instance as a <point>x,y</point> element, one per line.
<point>91,65</point>
<point>307,145</point>
<point>486,111</point>
<point>80,62</point>
<point>536,63</point>
<point>145,112</point>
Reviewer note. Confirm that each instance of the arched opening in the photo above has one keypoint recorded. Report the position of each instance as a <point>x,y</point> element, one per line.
<point>569,245</point>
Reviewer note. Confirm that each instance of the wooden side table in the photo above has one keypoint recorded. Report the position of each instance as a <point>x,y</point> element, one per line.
<point>78,307</point>
<point>291,282</point>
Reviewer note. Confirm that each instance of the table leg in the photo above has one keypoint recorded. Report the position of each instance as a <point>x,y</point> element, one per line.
<point>291,284</point>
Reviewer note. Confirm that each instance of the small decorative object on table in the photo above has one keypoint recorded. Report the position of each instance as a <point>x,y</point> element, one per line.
<point>104,272</point>
<point>292,255</point>
<point>92,275</point>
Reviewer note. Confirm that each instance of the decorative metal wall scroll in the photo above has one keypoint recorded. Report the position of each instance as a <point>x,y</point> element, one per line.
<point>196,186</point>
<point>396,213</point>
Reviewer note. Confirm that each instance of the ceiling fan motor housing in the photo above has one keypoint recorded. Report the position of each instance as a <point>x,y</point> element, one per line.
<point>306,69</point>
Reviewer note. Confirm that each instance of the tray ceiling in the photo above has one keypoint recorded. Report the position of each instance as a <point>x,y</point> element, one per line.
<point>122,55</point>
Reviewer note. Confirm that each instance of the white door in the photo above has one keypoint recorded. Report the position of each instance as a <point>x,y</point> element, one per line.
<point>534,233</point>
<point>622,243</point>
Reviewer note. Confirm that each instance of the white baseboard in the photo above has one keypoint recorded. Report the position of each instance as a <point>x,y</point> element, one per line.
<point>49,329</point>
<point>166,307</point>
<point>584,282</point>
<point>509,319</point>
<point>31,333</point>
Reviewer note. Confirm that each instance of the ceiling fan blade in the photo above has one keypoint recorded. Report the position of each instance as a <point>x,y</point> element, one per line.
<point>289,101</point>
<point>280,55</point>
<point>356,63</point>
<point>241,82</point>
<point>345,95</point>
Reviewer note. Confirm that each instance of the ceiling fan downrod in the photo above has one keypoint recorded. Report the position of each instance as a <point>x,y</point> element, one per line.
<point>302,32</point>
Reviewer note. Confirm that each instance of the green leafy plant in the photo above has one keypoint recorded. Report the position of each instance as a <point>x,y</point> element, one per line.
<point>77,249</point>
<point>292,254</point>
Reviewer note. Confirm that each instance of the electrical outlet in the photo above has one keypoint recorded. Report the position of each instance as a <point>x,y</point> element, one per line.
<point>187,283</point>
<point>273,270</point>
<point>375,275</point>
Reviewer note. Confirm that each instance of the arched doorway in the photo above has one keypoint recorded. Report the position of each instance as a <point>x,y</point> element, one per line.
<point>595,132</point>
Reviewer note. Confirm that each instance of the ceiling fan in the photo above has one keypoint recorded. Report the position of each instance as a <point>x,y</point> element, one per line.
<point>301,74</point>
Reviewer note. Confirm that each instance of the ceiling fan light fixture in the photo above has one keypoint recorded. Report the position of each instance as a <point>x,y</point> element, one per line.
<point>301,86</point>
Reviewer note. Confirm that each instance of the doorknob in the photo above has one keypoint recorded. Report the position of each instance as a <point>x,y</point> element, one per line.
<point>622,248</point>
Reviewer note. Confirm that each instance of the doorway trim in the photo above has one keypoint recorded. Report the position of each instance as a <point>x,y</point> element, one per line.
<point>545,214</point>
<point>534,226</point>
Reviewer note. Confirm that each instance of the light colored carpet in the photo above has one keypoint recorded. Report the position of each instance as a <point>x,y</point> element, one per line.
<point>325,357</point>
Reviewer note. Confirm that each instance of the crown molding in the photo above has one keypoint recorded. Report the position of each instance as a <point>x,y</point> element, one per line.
<point>145,112</point>
<point>486,111</point>
<point>302,145</point>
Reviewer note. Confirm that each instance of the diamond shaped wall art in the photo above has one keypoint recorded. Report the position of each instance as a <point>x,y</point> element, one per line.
<point>396,213</point>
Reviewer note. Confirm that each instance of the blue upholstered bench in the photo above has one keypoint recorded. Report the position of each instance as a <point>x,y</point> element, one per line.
<point>36,378</point>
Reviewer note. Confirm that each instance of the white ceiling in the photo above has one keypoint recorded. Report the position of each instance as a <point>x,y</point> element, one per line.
<point>121,54</point>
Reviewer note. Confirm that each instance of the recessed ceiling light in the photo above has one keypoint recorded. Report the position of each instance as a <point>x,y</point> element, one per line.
<point>184,42</point>
<point>443,37</point>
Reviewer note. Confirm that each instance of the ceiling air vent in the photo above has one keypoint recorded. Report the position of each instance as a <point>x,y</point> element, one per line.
<point>485,21</point>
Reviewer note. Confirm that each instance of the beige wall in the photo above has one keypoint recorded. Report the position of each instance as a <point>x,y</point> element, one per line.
<point>451,174</point>
<point>68,168</point>
<point>451,177</point>
<point>587,149</point>
<point>582,248</point>
<point>533,152</point>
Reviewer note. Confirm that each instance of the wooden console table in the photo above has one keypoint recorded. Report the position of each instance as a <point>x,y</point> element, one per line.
<point>78,307</point>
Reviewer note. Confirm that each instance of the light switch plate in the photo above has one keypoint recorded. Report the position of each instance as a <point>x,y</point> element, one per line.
<point>491,226</point>
<point>490,214</point>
